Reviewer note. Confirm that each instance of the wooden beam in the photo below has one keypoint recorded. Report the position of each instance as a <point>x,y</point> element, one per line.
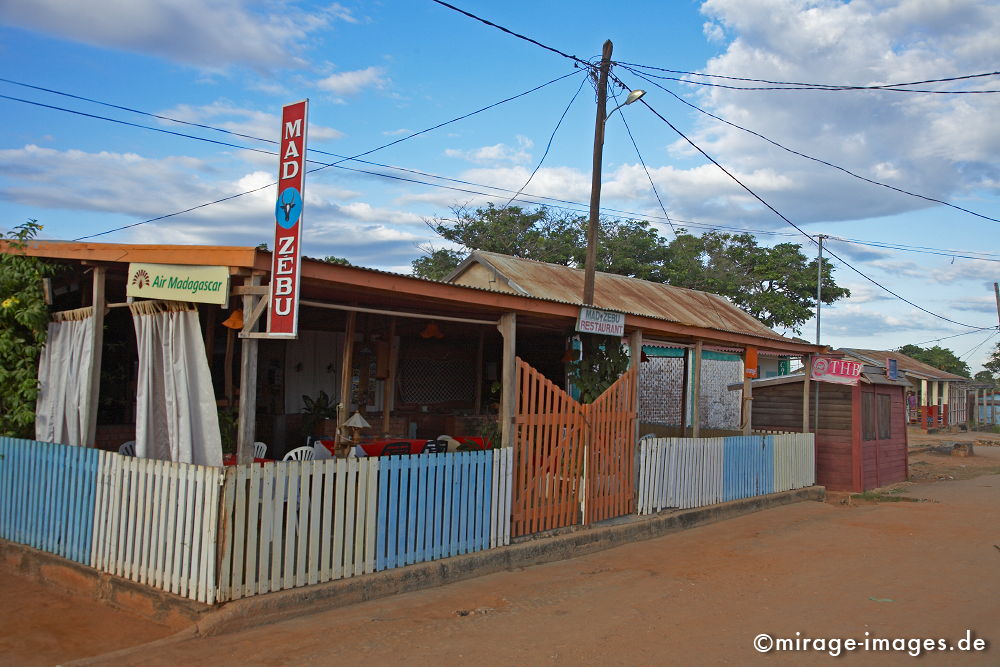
<point>248,388</point>
<point>685,386</point>
<point>696,392</point>
<point>747,401</point>
<point>479,372</point>
<point>97,345</point>
<point>807,372</point>
<point>508,399</point>
<point>346,362</point>
<point>389,385</point>
<point>394,313</point>
<point>857,475</point>
<point>635,361</point>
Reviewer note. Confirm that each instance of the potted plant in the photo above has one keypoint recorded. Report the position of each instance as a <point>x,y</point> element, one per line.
<point>320,415</point>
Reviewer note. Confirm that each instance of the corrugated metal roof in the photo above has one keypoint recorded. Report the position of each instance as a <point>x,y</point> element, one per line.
<point>623,294</point>
<point>906,364</point>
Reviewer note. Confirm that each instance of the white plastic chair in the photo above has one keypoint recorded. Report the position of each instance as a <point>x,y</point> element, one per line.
<point>127,448</point>
<point>306,453</point>
<point>260,450</point>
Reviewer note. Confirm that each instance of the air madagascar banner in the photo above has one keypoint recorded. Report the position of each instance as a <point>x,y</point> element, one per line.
<point>835,370</point>
<point>178,282</point>
<point>286,257</point>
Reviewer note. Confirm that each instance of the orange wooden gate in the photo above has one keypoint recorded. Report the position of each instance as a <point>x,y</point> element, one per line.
<point>610,451</point>
<point>559,441</point>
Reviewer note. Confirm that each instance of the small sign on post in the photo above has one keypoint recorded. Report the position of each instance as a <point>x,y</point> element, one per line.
<point>592,320</point>
<point>286,258</point>
<point>835,370</point>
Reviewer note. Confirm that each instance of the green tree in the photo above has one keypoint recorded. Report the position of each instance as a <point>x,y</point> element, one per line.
<point>984,376</point>
<point>24,320</point>
<point>938,357</point>
<point>993,364</point>
<point>437,264</point>
<point>331,259</point>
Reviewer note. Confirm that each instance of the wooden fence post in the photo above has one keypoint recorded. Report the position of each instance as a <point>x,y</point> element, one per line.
<point>508,329</point>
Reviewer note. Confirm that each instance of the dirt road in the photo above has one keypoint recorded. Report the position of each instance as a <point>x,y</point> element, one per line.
<point>826,570</point>
<point>894,570</point>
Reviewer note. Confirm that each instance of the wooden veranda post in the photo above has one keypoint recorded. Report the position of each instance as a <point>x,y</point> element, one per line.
<point>696,392</point>
<point>389,386</point>
<point>508,378</point>
<point>346,371</point>
<point>807,372</point>
<point>99,303</point>
<point>635,358</point>
<point>248,380</point>
<point>747,402</point>
<point>685,385</point>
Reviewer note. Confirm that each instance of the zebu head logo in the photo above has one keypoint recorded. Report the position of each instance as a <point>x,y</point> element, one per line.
<point>288,208</point>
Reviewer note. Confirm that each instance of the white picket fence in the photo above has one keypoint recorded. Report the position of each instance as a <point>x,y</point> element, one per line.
<point>156,523</point>
<point>297,523</point>
<point>679,472</point>
<point>687,472</point>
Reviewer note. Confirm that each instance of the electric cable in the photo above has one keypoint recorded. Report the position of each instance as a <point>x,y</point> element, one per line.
<point>973,350</point>
<point>514,34</point>
<point>548,146</point>
<point>818,85</point>
<point>964,333</point>
<point>815,159</point>
<point>799,229</point>
<point>645,169</point>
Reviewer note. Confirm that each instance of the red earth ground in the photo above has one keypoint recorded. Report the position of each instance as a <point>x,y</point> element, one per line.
<point>908,570</point>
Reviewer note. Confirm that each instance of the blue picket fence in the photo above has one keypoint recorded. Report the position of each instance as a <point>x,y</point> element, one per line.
<point>748,468</point>
<point>432,506</point>
<point>47,496</point>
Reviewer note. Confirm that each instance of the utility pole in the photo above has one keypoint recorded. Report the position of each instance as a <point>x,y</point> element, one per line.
<point>595,183</point>
<point>996,291</point>
<point>819,309</point>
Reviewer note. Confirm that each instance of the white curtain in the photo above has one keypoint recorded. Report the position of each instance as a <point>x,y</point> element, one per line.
<point>176,417</point>
<point>64,397</point>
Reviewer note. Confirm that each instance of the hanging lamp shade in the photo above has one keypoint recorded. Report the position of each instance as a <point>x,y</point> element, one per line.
<point>357,421</point>
<point>235,320</point>
<point>431,331</point>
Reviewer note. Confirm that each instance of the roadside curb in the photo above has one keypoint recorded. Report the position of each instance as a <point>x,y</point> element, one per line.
<point>538,549</point>
<point>534,550</point>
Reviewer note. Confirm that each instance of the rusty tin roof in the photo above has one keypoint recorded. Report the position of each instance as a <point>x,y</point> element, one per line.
<point>619,293</point>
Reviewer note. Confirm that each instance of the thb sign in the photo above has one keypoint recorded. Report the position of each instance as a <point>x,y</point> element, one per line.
<point>286,260</point>
<point>835,370</point>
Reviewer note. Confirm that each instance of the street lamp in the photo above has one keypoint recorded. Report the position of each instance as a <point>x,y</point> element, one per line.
<point>595,183</point>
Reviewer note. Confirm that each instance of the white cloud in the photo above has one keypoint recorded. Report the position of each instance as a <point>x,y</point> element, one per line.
<point>212,35</point>
<point>496,153</point>
<point>351,83</point>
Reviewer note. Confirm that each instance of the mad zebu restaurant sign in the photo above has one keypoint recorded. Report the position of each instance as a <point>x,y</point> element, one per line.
<point>596,321</point>
<point>838,371</point>
<point>286,260</point>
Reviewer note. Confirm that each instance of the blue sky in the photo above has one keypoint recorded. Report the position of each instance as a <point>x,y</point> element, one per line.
<point>379,71</point>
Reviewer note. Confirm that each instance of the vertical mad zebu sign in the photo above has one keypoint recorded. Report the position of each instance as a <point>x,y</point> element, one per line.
<point>286,260</point>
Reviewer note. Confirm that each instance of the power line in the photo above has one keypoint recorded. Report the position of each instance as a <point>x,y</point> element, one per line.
<point>631,214</point>
<point>964,333</point>
<point>368,152</point>
<point>818,87</point>
<point>646,170</point>
<point>814,159</point>
<point>548,146</point>
<point>515,34</point>
<point>780,215</point>
<point>972,351</point>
